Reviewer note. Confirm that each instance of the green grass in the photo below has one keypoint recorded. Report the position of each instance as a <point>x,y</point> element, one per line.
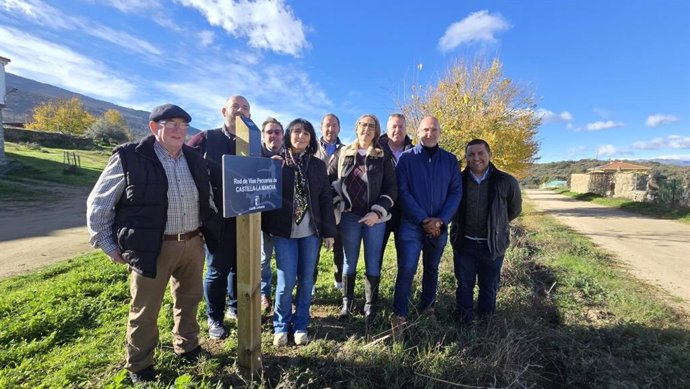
<point>46,164</point>
<point>568,316</point>
<point>660,211</point>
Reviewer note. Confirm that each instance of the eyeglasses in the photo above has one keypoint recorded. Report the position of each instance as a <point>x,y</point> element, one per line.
<point>171,125</point>
<point>367,125</point>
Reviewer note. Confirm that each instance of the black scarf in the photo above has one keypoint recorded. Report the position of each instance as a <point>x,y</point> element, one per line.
<point>298,162</point>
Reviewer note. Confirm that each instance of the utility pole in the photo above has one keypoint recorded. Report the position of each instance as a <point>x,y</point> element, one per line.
<point>3,61</point>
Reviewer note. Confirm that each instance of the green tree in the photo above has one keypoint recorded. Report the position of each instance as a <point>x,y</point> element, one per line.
<point>478,101</point>
<point>110,128</point>
<point>67,116</point>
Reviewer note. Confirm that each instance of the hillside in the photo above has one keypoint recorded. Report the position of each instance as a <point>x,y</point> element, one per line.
<point>30,93</point>
<point>544,172</point>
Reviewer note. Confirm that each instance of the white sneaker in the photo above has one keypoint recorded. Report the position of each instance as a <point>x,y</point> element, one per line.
<point>301,338</point>
<point>280,339</point>
<point>338,285</point>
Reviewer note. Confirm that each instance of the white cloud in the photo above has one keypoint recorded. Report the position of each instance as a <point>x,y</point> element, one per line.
<point>552,117</point>
<point>215,77</point>
<point>134,6</point>
<point>602,113</point>
<point>659,119</point>
<point>269,24</point>
<point>206,37</point>
<point>477,27</point>
<point>675,157</point>
<point>671,142</point>
<point>577,151</point>
<point>49,17</point>
<point>601,125</point>
<point>58,65</point>
<point>606,151</point>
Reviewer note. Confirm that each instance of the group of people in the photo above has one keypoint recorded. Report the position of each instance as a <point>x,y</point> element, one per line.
<point>156,208</point>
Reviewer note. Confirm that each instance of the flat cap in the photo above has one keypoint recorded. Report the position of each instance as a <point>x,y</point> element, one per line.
<point>169,111</point>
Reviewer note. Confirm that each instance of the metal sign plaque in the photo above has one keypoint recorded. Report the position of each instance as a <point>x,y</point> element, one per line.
<point>251,184</point>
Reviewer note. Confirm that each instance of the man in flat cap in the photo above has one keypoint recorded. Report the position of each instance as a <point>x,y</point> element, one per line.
<point>152,210</point>
<point>221,267</point>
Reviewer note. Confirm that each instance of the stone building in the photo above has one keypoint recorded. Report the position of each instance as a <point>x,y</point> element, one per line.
<point>614,179</point>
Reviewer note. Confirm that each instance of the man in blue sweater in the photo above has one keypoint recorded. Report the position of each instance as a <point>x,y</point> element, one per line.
<point>429,192</point>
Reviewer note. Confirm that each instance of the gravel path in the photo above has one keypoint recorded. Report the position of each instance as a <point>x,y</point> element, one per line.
<point>656,251</point>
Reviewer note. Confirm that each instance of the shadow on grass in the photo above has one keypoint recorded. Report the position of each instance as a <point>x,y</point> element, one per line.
<point>52,171</point>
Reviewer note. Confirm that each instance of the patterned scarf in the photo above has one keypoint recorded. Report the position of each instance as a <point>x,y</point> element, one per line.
<point>301,202</point>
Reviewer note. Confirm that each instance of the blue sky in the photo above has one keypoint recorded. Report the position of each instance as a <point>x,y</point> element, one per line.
<point>611,78</point>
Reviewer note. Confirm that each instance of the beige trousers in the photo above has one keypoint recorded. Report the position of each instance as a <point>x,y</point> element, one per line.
<point>181,263</point>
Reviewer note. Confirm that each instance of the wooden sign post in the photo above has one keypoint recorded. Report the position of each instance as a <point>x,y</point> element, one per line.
<point>248,274</point>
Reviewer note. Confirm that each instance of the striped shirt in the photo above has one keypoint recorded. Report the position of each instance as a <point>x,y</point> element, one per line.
<point>183,199</point>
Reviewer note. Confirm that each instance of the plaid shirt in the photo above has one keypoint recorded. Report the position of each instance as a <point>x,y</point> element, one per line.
<point>183,199</point>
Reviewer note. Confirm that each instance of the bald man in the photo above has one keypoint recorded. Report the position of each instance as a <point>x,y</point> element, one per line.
<point>429,193</point>
<point>221,266</point>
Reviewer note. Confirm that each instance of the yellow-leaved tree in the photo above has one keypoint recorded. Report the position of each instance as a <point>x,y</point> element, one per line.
<point>478,101</point>
<point>66,116</point>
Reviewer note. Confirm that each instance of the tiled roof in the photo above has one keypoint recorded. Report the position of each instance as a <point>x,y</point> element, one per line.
<point>618,166</point>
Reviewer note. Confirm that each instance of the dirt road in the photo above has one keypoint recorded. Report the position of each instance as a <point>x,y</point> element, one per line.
<point>657,251</point>
<point>35,234</point>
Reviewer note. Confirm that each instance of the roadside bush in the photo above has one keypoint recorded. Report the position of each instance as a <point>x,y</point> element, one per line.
<point>106,131</point>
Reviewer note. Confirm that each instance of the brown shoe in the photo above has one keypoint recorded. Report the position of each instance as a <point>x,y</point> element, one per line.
<point>398,324</point>
<point>266,304</point>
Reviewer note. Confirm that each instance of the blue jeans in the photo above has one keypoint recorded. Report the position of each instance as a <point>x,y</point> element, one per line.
<point>411,242</point>
<point>266,255</point>
<point>472,261</point>
<point>353,233</point>
<point>266,274</point>
<point>221,273</point>
<point>295,261</point>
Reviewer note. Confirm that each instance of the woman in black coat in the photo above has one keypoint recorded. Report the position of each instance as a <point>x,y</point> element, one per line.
<point>297,229</point>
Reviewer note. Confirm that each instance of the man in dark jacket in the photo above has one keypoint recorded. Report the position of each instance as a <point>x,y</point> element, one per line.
<point>221,266</point>
<point>394,142</point>
<point>329,145</point>
<point>149,209</point>
<point>480,232</point>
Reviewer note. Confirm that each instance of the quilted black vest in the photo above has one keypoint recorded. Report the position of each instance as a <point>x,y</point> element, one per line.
<point>141,213</point>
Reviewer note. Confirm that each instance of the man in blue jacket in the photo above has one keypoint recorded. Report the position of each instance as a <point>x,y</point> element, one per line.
<point>430,190</point>
<point>480,232</point>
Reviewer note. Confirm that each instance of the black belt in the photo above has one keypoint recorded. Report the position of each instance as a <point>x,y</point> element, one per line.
<point>182,237</point>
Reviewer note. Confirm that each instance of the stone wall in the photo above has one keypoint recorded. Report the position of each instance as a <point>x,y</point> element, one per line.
<point>601,184</point>
<point>633,186</point>
<point>47,139</point>
<point>630,186</point>
<point>579,182</point>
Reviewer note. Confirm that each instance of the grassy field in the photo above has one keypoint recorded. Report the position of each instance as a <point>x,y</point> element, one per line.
<point>47,164</point>
<point>567,317</point>
<point>660,211</point>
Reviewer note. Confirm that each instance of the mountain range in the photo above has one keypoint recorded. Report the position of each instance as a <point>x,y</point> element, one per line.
<point>24,94</point>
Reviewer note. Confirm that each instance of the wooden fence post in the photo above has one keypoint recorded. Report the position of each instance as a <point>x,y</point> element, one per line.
<point>248,276</point>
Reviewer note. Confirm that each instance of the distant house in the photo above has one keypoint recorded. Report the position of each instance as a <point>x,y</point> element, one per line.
<point>614,179</point>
